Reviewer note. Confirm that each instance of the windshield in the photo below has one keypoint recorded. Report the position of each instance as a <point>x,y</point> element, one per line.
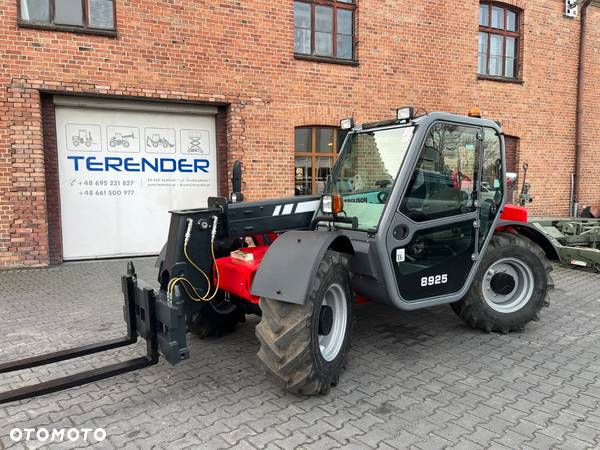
<point>366,171</point>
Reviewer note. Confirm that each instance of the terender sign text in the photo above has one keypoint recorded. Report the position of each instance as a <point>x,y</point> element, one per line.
<point>158,165</point>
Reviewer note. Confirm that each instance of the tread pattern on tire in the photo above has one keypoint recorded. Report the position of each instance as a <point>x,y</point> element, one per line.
<point>285,338</point>
<point>469,308</point>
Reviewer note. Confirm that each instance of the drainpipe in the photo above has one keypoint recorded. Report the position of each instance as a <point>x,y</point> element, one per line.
<point>579,114</point>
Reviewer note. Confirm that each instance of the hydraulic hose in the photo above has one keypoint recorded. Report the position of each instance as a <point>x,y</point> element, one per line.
<point>187,285</point>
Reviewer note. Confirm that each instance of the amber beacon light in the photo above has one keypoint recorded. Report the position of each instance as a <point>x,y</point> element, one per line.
<point>475,112</point>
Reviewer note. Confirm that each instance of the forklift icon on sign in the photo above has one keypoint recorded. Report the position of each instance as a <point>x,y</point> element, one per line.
<point>84,137</point>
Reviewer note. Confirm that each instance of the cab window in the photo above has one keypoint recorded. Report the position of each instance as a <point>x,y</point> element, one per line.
<point>491,181</point>
<point>366,172</point>
<point>443,183</point>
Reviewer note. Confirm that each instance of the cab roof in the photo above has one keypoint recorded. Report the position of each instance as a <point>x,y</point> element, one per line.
<point>435,116</point>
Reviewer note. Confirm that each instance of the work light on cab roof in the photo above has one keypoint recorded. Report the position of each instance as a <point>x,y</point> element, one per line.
<point>406,113</point>
<point>347,124</point>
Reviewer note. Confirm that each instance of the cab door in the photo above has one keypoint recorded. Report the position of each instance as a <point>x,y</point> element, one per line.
<point>436,225</point>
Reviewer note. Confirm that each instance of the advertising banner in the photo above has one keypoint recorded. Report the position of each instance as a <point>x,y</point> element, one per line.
<point>122,171</point>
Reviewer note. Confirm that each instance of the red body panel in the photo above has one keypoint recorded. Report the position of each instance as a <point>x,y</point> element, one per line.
<point>236,276</point>
<point>265,239</point>
<point>514,213</point>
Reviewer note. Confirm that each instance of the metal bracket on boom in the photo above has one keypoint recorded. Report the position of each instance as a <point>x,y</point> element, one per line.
<point>140,316</point>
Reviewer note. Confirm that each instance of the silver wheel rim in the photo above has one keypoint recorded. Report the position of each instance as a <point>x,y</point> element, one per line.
<point>331,343</point>
<point>508,300</point>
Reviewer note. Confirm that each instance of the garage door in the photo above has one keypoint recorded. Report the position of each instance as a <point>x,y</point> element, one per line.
<point>123,166</point>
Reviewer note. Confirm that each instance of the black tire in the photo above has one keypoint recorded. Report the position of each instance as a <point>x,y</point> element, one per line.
<point>216,320</point>
<point>289,333</point>
<point>475,310</point>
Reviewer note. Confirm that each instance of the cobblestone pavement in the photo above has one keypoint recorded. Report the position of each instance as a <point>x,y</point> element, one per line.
<point>420,379</point>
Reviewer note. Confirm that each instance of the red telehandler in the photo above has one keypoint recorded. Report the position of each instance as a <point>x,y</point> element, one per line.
<point>413,215</point>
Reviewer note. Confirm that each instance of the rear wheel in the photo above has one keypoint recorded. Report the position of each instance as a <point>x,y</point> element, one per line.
<point>304,347</point>
<point>217,318</point>
<point>510,286</point>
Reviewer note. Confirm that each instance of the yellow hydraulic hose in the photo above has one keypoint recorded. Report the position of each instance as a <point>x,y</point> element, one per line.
<point>186,283</point>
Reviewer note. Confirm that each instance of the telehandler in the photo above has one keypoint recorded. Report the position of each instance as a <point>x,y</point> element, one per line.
<point>413,215</point>
<point>120,139</point>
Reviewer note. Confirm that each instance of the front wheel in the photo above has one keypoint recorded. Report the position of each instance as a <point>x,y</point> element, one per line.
<point>510,287</point>
<point>304,347</point>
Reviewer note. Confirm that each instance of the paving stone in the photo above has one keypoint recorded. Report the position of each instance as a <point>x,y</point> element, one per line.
<point>260,440</point>
<point>414,379</point>
<point>433,441</point>
<point>542,441</point>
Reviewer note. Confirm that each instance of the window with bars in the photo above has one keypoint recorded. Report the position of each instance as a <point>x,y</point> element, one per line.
<point>499,35</point>
<point>316,149</point>
<point>86,15</point>
<point>324,28</point>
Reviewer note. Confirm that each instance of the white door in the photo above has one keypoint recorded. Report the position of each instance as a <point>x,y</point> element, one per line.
<point>121,170</point>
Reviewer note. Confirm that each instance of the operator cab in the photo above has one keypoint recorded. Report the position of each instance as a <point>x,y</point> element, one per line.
<point>420,193</point>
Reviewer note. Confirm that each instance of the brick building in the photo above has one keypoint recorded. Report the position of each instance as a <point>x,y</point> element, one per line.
<point>276,77</point>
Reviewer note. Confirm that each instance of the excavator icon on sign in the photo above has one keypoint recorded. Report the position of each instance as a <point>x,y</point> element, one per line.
<point>156,139</point>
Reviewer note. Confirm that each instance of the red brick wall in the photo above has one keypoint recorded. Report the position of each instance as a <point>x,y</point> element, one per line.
<point>221,130</point>
<point>52,181</point>
<point>511,145</point>
<point>23,222</point>
<point>589,187</point>
<point>240,54</point>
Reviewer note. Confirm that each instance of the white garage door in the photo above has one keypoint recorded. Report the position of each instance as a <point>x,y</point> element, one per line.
<point>123,166</point>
